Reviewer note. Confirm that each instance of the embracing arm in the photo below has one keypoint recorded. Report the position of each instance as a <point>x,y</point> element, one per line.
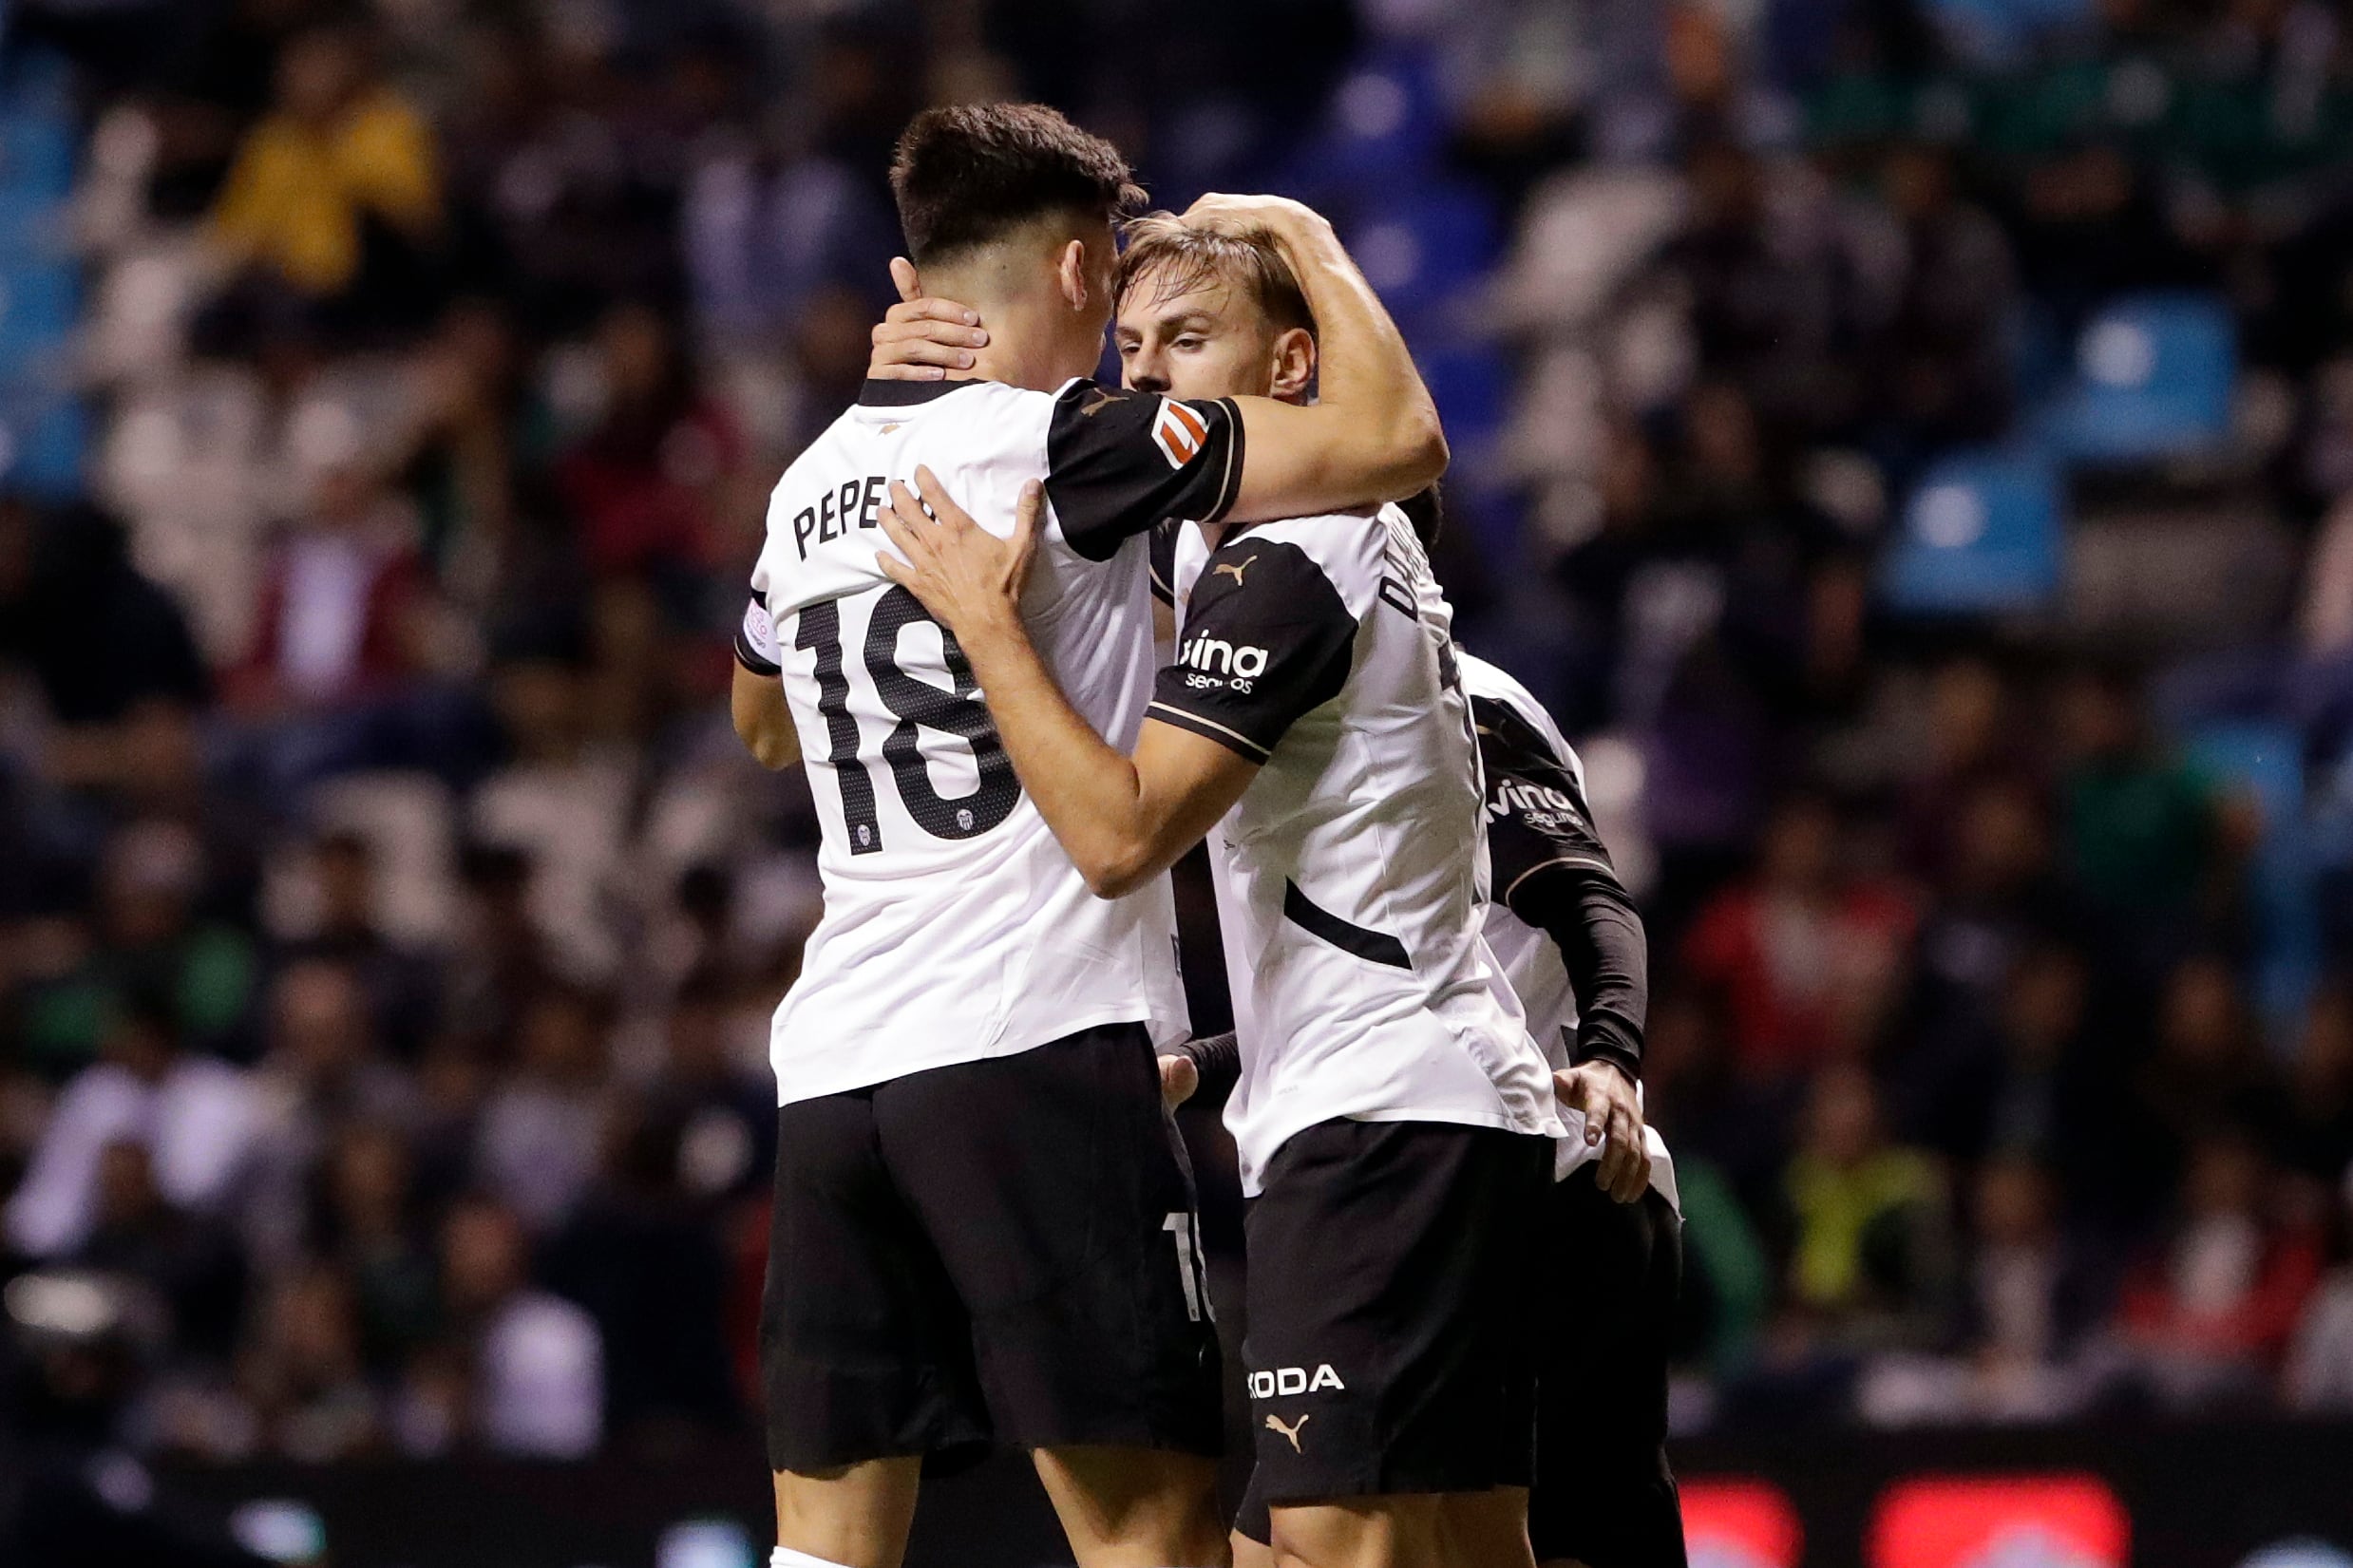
<point>1122,819</point>
<point>1373,433</point>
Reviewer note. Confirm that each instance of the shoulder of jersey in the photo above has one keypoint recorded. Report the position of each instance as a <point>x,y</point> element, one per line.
<point>1489,683</point>
<point>1482,679</point>
<point>1347,547</point>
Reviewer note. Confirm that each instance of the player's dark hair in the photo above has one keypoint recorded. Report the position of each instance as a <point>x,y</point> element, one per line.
<point>1428,516</point>
<point>1181,257</point>
<point>969,174</point>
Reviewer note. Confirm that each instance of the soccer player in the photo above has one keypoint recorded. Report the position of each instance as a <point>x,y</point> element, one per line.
<point>1394,1119</point>
<point>982,1229</point>
<point>1206,314</point>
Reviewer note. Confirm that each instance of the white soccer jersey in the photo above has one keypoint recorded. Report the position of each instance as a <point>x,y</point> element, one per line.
<point>955,927</point>
<point>1537,817</point>
<point>1347,881</point>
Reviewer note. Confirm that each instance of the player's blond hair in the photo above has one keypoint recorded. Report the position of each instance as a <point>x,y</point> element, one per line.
<point>1181,257</point>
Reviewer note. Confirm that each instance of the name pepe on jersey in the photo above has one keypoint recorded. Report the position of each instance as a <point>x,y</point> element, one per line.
<point>829,517</point>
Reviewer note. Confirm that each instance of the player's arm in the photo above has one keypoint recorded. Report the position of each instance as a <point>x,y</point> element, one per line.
<point>1552,869</point>
<point>1373,433</point>
<point>1209,1065</point>
<point>1119,464</point>
<point>1122,819</point>
<point>756,700</point>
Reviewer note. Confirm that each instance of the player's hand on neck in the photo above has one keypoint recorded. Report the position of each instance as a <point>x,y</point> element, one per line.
<point>1044,295</point>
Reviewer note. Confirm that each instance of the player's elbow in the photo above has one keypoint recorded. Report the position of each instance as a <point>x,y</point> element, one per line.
<point>772,753</point>
<point>1421,453</point>
<point>1118,869</point>
<point>773,745</point>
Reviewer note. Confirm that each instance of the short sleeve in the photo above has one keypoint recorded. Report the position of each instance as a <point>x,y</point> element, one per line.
<point>1537,816</point>
<point>755,641</point>
<point>1119,462</point>
<point>1164,551</point>
<point>1266,640</point>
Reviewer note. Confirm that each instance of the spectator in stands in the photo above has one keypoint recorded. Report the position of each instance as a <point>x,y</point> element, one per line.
<point>147,936</point>
<point>2021,1085</point>
<point>1808,958</point>
<point>303,1375</point>
<point>334,198</point>
<point>2030,1297</point>
<point>2149,843</point>
<point>641,1257</point>
<point>659,496</point>
<point>339,621</point>
<point>2207,1314</point>
<point>1969,738</point>
<point>2318,1135</point>
<point>324,1071</point>
<point>539,1137</point>
<point>1997,893</point>
<point>188,1263</point>
<point>370,1228</point>
<point>1946,375</point>
<point>196,1115</point>
<point>535,1367</point>
<point>1871,1258</point>
<point>2208,1074</point>
<point>402,983</point>
<point>2319,1376</point>
<point>721,1114</point>
<point>110,652</point>
<point>501,960</point>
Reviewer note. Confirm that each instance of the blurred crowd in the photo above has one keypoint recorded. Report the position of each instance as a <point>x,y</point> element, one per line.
<point>390,920</point>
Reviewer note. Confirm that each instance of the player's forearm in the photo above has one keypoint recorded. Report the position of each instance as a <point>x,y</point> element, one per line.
<point>1090,795</point>
<point>1606,954</point>
<point>1365,372</point>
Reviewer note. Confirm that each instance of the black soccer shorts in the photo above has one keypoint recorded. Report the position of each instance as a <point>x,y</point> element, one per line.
<point>1605,1494</point>
<point>995,1249</point>
<point>1393,1336</point>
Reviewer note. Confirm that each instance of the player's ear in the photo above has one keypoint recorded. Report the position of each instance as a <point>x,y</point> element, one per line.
<point>1072,273</point>
<point>1295,364</point>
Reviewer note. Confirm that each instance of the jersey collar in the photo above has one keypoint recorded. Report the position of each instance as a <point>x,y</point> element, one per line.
<point>900,394</point>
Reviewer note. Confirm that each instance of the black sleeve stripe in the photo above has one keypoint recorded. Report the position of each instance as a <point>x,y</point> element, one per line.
<point>1232,740</point>
<point>1377,947</point>
<point>1571,863</point>
<point>1229,484</point>
<point>751,661</point>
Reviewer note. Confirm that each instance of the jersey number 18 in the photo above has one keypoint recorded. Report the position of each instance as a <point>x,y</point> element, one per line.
<point>916,704</point>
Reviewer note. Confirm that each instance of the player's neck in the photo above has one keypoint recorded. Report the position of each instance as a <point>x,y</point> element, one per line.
<point>1029,333</point>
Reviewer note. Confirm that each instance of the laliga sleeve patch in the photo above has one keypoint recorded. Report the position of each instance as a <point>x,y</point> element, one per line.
<point>1179,433</point>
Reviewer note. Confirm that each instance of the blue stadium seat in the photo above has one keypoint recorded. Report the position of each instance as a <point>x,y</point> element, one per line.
<point>2153,378</point>
<point>1421,244</point>
<point>1980,534</point>
<point>41,425</point>
<point>1384,122</point>
<point>2004,30</point>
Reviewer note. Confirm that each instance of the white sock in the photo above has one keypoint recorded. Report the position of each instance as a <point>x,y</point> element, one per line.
<point>785,1556</point>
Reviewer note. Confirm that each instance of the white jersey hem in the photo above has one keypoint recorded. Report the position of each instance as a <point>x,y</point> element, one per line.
<point>1162,1031</point>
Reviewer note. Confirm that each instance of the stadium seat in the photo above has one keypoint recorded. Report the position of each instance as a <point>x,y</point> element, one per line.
<point>2006,29</point>
<point>2153,378</point>
<point>1980,534</point>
